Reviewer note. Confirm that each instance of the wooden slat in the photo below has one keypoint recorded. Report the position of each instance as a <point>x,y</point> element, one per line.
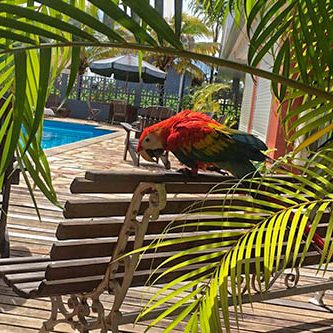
<point>52,270</point>
<point>102,247</point>
<point>92,229</point>
<point>111,228</point>
<point>97,266</point>
<point>29,290</point>
<point>141,276</point>
<point>86,284</point>
<point>118,207</point>
<point>134,176</point>
<point>96,208</point>
<point>21,260</point>
<point>23,267</point>
<point>80,268</point>
<point>83,249</point>
<point>82,185</point>
<point>12,279</point>
<point>15,177</point>
<point>161,177</point>
<point>76,268</point>
<point>63,287</point>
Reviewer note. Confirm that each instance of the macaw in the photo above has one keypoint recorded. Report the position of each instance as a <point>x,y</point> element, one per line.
<point>200,142</point>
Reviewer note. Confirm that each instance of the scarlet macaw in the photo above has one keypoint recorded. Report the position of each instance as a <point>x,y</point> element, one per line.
<point>200,142</point>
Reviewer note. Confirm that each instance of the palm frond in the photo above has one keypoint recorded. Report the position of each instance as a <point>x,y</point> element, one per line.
<point>289,212</point>
<point>297,34</point>
<point>206,98</point>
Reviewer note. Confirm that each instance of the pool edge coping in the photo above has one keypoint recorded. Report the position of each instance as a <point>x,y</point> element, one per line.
<point>87,142</point>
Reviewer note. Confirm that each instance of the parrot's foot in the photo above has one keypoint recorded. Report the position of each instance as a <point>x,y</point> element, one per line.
<point>216,169</point>
<point>188,172</point>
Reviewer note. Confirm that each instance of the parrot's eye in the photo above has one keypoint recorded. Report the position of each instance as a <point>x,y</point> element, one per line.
<point>147,140</point>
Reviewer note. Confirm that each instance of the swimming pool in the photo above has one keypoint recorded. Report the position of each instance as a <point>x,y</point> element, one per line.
<point>58,133</point>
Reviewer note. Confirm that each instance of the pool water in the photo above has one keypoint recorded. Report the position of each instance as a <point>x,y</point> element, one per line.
<point>58,133</point>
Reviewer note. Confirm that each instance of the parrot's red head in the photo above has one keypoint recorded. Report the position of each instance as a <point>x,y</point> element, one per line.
<point>152,141</point>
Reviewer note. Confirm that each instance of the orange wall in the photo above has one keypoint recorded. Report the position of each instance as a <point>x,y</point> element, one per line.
<point>275,134</point>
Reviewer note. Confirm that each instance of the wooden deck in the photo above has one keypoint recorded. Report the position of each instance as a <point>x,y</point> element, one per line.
<point>29,236</point>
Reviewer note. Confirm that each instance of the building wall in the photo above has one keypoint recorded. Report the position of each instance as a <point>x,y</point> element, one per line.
<point>263,104</point>
<point>256,104</point>
<point>246,104</point>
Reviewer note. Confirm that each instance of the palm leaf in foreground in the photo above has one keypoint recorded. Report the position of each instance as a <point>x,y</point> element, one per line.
<point>279,222</point>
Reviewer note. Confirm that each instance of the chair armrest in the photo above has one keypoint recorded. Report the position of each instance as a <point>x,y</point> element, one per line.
<point>129,128</point>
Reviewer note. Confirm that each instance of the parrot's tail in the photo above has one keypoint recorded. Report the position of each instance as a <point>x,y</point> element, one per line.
<point>240,169</point>
<point>252,146</point>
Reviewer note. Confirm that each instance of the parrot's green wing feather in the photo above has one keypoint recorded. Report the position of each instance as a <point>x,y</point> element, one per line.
<point>224,145</point>
<point>227,149</point>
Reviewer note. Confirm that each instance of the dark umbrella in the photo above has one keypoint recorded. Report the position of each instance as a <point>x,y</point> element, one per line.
<point>126,68</point>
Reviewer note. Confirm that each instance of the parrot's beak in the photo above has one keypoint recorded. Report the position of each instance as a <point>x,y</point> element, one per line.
<point>151,155</point>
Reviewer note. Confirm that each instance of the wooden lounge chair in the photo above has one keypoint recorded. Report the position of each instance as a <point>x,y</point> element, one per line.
<point>53,102</point>
<point>117,111</point>
<point>83,264</point>
<point>120,110</point>
<point>146,117</point>
<point>93,112</point>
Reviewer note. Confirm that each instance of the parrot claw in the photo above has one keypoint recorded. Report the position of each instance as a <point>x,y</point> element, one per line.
<point>188,172</point>
<point>216,169</point>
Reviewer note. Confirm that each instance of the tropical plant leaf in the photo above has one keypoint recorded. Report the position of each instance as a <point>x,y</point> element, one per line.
<point>26,27</point>
<point>277,241</point>
<point>82,17</point>
<point>178,17</point>
<point>14,130</point>
<point>45,64</point>
<point>48,20</point>
<point>154,20</point>
<point>113,11</point>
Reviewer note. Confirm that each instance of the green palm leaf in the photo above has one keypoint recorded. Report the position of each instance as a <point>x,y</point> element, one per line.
<point>154,20</point>
<point>18,112</point>
<point>276,242</point>
<point>25,27</point>
<point>45,64</point>
<point>113,11</point>
<point>82,17</point>
<point>47,19</point>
